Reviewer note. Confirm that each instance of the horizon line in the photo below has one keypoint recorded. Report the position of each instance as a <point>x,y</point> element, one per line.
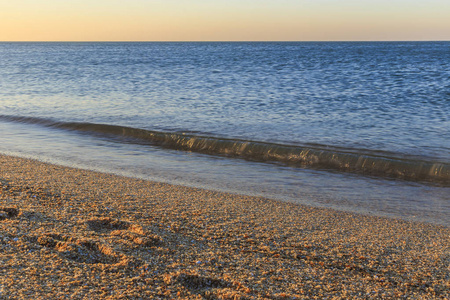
<point>225,41</point>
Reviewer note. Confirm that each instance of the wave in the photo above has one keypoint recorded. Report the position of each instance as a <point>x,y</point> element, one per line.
<point>323,157</point>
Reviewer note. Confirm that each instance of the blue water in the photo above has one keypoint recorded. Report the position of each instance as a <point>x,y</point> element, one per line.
<point>361,127</point>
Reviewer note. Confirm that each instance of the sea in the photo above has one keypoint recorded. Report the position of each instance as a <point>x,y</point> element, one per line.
<point>362,127</point>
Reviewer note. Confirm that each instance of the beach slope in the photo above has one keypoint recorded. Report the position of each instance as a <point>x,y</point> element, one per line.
<point>71,233</point>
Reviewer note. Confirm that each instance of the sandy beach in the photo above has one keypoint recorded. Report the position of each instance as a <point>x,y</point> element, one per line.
<point>71,233</point>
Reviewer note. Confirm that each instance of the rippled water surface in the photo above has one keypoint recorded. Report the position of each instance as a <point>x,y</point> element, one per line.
<point>380,102</point>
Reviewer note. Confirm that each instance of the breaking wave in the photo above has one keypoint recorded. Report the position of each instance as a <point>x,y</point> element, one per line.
<point>316,156</point>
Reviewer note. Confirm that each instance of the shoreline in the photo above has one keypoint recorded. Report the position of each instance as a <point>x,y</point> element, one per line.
<point>75,233</point>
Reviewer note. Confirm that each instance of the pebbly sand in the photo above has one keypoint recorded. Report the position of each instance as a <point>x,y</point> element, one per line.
<point>70,233</point>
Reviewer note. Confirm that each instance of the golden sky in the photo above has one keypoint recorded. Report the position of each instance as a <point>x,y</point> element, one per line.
<point>224,20</point>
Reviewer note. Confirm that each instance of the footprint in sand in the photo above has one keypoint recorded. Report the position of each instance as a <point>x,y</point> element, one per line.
<point>106,224</point>
<point>197,282</point>
<point>124,230</point>
<point>8,213</point>
<point>79,250</point>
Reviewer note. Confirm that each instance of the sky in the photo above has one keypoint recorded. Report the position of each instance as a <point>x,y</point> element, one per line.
<point>224,20</point>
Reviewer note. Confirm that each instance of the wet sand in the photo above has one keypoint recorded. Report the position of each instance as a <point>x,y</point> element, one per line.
<point>71,233</point>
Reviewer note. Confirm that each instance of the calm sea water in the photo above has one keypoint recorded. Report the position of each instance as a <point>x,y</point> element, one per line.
<point>361,127</point>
